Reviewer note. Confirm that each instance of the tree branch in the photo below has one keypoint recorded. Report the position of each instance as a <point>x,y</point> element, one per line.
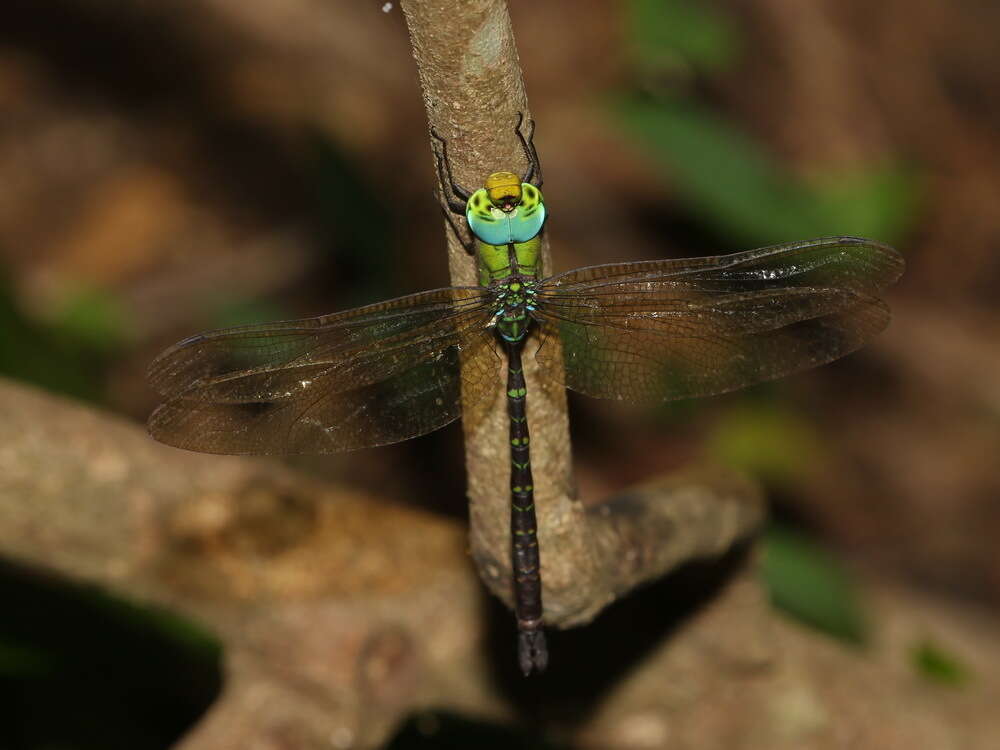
<point>473,90</point>
<point>340,614</point>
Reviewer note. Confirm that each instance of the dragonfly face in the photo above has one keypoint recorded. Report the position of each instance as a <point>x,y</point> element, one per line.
<point>504,190</point>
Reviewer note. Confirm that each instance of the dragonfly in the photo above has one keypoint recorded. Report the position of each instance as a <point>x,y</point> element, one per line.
<point>643,331</point>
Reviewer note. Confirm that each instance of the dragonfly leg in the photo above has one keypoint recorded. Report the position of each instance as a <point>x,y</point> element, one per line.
<point>534,173</point>
<point>467,242</point>
<point>460,196</point>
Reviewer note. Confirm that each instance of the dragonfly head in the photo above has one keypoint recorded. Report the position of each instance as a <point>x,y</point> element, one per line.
<point>504,190</point>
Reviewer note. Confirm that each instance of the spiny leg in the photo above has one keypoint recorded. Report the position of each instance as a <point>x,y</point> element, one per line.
<point>466,242</point>
<point>534,173</point>
<point>532,652</point>
<point>457,203</point>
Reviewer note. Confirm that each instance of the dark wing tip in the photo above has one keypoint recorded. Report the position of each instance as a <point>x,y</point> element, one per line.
<point>163,370</point>
<point>889,260</point>
<point>882,264</point>
<point>185,424</point>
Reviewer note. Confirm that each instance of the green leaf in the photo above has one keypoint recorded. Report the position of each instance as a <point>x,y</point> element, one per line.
<point>729,182</point>
<point>46,356</point>
<point>878,202</point>
<point>767,441</point>
<point>938,665</point>
<point>94,318</point>
<point>666,34</point>
<point>157,619</point>
<point>808,584</point>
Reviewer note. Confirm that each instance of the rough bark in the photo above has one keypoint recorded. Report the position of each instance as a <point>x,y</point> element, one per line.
<point>339,614</point>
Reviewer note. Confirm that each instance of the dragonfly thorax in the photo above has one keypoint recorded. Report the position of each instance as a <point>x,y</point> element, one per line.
<point>514,303</point>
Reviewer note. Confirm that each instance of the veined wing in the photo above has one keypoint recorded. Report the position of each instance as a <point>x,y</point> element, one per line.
<point>660,330</point>
<point>370,376</point>
<point>845,262</point>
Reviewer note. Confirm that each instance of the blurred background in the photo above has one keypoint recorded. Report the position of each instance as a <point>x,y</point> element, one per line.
<point>167,168</point>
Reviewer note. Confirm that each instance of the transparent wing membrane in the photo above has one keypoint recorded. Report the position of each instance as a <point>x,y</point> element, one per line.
<point>661,330</point>
<point>835,262</point>
<point>645,332</point>
<point>370,376</point>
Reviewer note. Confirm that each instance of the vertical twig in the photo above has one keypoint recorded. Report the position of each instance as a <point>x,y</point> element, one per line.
<point>473,90</point>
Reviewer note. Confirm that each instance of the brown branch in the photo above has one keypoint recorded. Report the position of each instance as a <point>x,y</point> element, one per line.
<point>473,90</point>
<point>339,614</point>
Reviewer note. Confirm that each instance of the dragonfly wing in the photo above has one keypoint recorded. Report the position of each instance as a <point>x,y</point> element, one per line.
<point>365,377</point>
<point>661,330</point>
<point>854,263</point>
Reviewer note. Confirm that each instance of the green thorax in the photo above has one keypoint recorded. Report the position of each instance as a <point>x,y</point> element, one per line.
<point>515,301</point>
<point>495,262</point>
<point>499,232</point>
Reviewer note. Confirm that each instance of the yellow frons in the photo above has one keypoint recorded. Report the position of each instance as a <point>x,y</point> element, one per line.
<point>500,185</point>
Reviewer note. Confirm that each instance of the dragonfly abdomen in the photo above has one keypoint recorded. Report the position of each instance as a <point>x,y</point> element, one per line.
<point>526,563</point>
